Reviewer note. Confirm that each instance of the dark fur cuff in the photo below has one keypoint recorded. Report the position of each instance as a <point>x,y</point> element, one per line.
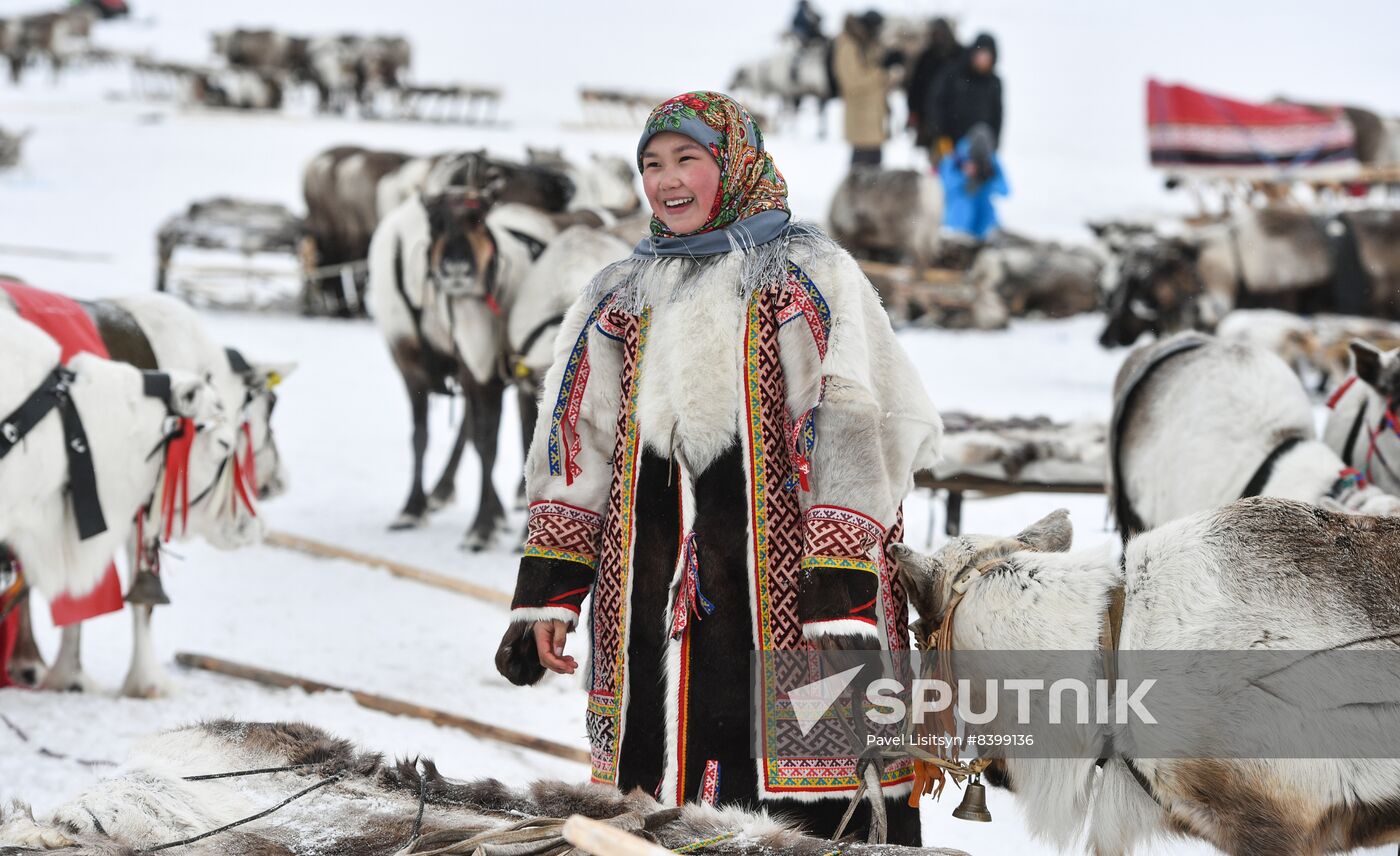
<point>550,588</point>
<point>838,596</point>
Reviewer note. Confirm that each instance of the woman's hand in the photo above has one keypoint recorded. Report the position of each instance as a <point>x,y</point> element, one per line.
<point>549,642</point>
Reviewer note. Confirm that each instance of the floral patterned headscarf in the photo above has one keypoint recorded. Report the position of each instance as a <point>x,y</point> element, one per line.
<point>749,182</point>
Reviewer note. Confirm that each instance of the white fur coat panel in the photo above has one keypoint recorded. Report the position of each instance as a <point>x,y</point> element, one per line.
<point>876,426</point>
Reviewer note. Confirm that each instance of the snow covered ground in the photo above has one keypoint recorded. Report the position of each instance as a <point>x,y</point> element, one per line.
<point>102,171</point>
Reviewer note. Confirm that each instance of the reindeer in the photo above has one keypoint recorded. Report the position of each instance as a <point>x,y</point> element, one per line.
<point>365,806</point>
<point>56,36</point>
<point>445,272</point>
<point>1260,574</point>
<point>1272,257</point>
<point>794,74</point>
<point>341,187</point>
<point>158,332</point>
<point>58,547</point>
<point>606,185</point>
<point>553,284</point>
<point>1362,426</point>
<point>349,190</point>
<point>889,215</point>
<point>1198,423</point>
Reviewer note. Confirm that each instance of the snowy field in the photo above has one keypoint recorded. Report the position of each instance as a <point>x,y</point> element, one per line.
<point>103,170</point>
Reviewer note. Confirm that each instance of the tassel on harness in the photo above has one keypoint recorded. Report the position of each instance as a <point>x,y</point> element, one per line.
<point>245,475</point>
<point>177,476</point>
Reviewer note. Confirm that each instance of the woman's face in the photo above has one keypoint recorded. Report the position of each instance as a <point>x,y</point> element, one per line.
<point>680,178</point>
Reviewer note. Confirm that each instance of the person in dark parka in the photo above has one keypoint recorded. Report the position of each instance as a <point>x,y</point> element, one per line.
<point>941,54</point>
<point>969,94</point>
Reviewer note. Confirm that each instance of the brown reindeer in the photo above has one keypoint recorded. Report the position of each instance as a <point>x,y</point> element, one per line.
<point>341,187</point>
<point>1262,258</point>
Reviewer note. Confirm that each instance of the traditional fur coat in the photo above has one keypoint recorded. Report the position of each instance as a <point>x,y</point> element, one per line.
<point>722,472</point>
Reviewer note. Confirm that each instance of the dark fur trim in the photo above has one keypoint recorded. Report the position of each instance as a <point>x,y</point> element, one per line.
<point>834,594</point>
<point>546,583</point>
<point>517,659</point>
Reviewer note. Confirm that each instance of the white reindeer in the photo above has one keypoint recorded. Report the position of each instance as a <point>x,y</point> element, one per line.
<point>445,271</point>
<point>162,327</point>
<point>124,426</point>
<point>1362,427</point>
<point>1260,574</point>
<point>1198,423</point>
<point>549,289</point>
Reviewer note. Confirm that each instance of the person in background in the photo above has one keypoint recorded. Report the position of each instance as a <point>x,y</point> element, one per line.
<point>806,23</point>
<point>971,177</point>
<point>969,94</point>
<point>941,54</point>
<point>863,80</point>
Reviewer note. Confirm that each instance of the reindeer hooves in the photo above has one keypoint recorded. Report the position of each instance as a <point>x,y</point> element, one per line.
<point>152,689</point>
<point>476,542</point>
<point>437,502</point>
<point>408,520</point>
<point>27,673</point>
<point>74,683</point>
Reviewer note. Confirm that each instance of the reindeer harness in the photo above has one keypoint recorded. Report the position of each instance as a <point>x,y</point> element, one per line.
<point>929,771</point>
<point>1389,421</point>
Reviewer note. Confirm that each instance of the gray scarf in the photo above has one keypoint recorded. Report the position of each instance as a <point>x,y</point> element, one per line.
<point>742,235</point>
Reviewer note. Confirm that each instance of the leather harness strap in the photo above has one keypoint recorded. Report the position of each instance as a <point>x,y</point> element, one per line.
<point>1266,469</point>
<point>54,394</point>
<point>1109,638</point>
<point>1128,521</point>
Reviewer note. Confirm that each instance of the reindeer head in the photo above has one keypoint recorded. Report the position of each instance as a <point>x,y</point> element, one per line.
<point>461,189</point>
<point>1378,369</point>
<point>933,580</point>
<point>458,194</point>
<point>617,190</point>
<point>1150,284</point>
<point>259,398</point>
<point>213,513</point>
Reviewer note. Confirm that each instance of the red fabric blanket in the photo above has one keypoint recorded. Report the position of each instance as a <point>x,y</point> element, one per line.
<point>64,320</point>
<point>1189,128</point>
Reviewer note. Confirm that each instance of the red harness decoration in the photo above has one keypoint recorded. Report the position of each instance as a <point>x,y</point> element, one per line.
<point>66,322</point>
<point>245,475</point>
<point>1341,391</point>
<point>1389,422</point>
<point>177,477</point>
<point>9,627</point>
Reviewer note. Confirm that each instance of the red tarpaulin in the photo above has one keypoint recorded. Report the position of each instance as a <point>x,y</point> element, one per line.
<point>64,320</point>
<point>1193,130</point>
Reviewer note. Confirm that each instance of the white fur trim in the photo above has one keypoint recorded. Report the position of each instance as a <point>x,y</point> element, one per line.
<point>670,768</point>
<point>532,614</point>
<point>903,789</point>
<point>839,627</point>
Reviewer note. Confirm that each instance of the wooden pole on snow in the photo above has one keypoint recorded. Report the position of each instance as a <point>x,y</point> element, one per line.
<point>384,704</point>
<point>288,541</point>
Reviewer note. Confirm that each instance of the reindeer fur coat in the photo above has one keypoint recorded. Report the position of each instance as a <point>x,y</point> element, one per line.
<point>730,441</point>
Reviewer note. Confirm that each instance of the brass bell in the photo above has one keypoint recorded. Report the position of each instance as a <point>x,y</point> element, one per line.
<point>147,590</point>
<point>974,802</point>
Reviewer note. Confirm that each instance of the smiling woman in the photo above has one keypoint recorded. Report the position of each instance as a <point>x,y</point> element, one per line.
<point>681,180</point>
<point>734,427</point>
